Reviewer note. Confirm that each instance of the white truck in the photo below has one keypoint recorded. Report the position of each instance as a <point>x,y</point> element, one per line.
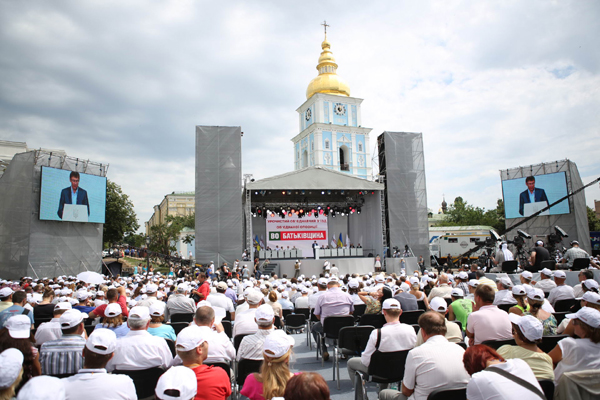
<point>457,240</point>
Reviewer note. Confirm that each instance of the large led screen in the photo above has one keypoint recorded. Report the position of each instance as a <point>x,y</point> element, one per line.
<point>525,196</point>
<point>72,196</point>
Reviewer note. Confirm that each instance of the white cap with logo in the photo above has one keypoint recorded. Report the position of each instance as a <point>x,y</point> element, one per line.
<point>530,326</point>
<point>178,383</point>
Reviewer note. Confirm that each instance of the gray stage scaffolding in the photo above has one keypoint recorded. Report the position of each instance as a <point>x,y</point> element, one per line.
<point>31,247</point>
<point>575,223</point>
<point>402,164</point>
<point>218,194</point>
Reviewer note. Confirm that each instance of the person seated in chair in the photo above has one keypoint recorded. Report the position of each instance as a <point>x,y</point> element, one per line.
<point>425,371</point>
<point>395,336</point>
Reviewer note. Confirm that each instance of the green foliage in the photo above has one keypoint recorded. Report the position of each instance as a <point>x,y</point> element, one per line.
<point>135,240</point>
<point>120,217</point>
<point>188,239</point>
<point>163,238</point>
<point>460,213</point>
<point>593,221</point>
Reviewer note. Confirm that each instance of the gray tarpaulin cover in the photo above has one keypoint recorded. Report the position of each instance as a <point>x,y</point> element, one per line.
<point>218,194</point>
<point>51,248</point>
<point>406,192</point>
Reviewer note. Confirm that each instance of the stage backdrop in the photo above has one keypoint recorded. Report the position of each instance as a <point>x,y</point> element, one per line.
<point>299,232</point>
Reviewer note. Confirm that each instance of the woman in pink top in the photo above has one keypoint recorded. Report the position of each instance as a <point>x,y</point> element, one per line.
<point>275,370</point>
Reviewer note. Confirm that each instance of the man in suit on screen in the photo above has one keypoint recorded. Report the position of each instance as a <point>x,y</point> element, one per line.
<point>531,195</point>
<point>73,195</point>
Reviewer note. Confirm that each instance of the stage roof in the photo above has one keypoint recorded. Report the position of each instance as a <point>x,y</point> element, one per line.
<point>314,178</point>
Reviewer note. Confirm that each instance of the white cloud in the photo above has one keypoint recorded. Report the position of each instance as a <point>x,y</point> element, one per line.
<point>491,85</point>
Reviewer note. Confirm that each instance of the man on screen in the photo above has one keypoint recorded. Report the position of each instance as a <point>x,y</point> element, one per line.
<point>73,195</point>
<point>531,195</point>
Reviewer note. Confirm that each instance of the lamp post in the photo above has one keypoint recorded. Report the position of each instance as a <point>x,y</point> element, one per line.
<point>147,253</point>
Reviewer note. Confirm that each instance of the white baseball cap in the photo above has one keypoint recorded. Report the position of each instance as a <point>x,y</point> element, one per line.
<point>560,274</point>
<point>506,282</point>
<point>391,304</point>
<point>546,272</point>
<point>82,295</point>
<point>42,387</point>
<point>139,312</point>
<point>519,290</point>
<point>157,309</point>
<point>6,291</point>
<point>254,297</point>
<point>536,294</point>
<point>179,381</point>
<point>191,337</point>
<point>112,310</point>
<point>463,275</point>
<point>438,304</point>
<point>531,327</point>
<point>590,284</point>
<point>151,288</point>
<point>102,341</point>
<point>64,305</point>
<point>11,364</point>
<point>71,318</point>
<point>379,278</point>
<point>591,297</point>
<point>277,344</point>
<point>457,292</point>
<point>588,315</point>
<point>19,326</point>
<point>473,283</point>
<point>264,313</point>
<point>527,274</point>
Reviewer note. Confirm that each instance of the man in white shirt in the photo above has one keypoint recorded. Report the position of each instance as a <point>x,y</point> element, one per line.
<point>546,283</point>
<point>285,302</point>
<point>302,301</point>
<point>151,290</point>
<point>138,349</point>
<point>251,347</point>
<point>220,300</point>
<point>395,336</point>
<point>92,382</point>
<point>425,369</point>
<point>220,347</point>
<point>179,302</point>
<point>561,291</point>
<point>443,290</point>
<point>583,275</point>
<point>245,322</point>
<point>51,330</point>
<point>504,294</point>
<point>453,332</point>
<point>312,299</point>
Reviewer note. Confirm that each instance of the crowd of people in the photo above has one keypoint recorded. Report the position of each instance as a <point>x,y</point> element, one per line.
<point>66,338</point>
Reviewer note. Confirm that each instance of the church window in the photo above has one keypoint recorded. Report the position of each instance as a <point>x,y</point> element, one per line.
<point>327,144</point>
<point>312,146</point>
<point>360,146</point>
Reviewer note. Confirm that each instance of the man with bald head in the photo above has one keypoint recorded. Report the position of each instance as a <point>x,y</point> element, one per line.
<point>442,290</point>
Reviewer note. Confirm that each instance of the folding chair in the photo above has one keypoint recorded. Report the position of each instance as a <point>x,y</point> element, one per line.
<point>565,305</point>
<point>178,326</point>
<point>560,316</point>
<point>376,320</point>
<point>448,394</point>
<point>505,307</point>
<point>496,344</point>
<point>510,266</point>
<point>296,321</point>
<point>421,304</point>
<point>380,370</point>
<point>171,345</point>
<point>227,328</point>
<point>144,380</point>
<point>244,368</point>
<point>580,263</point>
<point>549,342</point>
<point>411,317</point>
<point>183,317</point>
<point>331,330</point>
<point>547,387</point>
<point>352,341</point>
<point>285,313</point>
<point>359,310</point>
<point>237,340</point>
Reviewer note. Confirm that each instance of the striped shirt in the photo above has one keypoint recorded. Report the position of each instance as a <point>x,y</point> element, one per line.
<point>251,347</point>
<point>62,356</point>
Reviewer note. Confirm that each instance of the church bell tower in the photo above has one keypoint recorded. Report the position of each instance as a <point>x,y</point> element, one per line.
<point>331,132</point>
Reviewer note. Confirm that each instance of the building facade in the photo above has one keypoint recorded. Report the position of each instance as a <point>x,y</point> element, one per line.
<point>331,132</point>
<point>174,204</point>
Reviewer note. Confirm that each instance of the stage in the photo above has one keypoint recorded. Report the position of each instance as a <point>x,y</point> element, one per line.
<point>310,267</point>
<point>572,277</point>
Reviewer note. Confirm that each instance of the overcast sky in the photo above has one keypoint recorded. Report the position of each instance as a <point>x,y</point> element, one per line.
<point>491,85</point>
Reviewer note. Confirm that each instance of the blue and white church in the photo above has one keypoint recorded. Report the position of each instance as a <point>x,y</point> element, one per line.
<point>331,132</point>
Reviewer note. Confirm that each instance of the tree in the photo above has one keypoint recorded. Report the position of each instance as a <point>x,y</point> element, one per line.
<point>163,238</point>
<point>135,240</point>
<point>120,217</point>
<point>460,213</point>
<point>593,221</point>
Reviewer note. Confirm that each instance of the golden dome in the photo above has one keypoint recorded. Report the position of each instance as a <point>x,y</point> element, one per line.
<point>328,80</point>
